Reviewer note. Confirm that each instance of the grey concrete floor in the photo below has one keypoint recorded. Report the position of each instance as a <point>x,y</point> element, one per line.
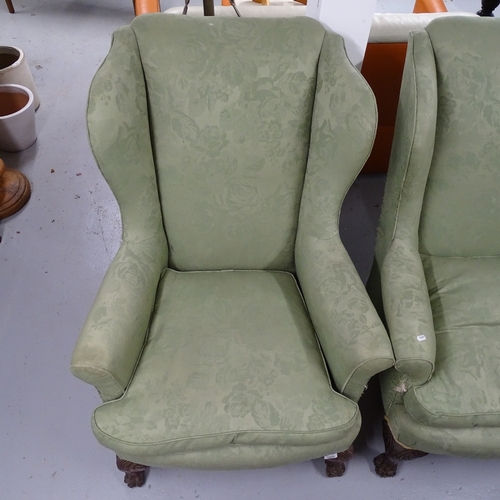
<point>53,255</point>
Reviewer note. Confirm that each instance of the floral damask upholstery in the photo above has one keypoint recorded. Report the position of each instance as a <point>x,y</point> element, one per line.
<point>230,145</point>
<point>437,269</point>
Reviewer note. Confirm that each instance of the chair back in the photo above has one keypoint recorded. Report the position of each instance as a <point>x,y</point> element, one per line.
<point>230,105</point>
<point>461,205</point>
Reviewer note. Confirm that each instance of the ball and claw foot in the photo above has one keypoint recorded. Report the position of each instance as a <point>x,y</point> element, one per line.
<point>384,466</point>
<point>335,467</point>
<point>135,474</point>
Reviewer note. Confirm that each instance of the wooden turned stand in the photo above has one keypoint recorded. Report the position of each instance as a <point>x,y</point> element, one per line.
<point>15,191</point>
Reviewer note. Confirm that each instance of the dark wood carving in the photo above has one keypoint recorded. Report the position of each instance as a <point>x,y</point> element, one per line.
<point>135,474</point>
<point>335,467</point>
<point>386,464</point>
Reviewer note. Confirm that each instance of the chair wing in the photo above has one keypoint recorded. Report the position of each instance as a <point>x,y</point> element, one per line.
<point>341,139</point>
<point>116,327</point>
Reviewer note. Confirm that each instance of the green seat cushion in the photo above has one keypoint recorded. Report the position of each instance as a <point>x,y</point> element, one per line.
<point>464,391</point>
<point>231,359</point>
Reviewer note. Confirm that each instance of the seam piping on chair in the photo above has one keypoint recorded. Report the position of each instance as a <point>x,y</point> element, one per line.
<point>99,370</point>
<point>471,257</point>
<point>88,102</point>
<point>405,176</point>
<point>355,369</point>
<point>253,431</point>
<point>448,415</point>
<point>397,365</point>
<point>374,134</point>
<point>460,329</point>
<point>280,271</point>
<point>375,111</point>
<point>306,166</point>
<point>153,156</point>
<point>318,343</point>
<point>245,445</point>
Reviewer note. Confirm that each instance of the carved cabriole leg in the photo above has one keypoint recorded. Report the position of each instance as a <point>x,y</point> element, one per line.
<point>335,467</point>
<point>386,464</point>
<point>135,474</point>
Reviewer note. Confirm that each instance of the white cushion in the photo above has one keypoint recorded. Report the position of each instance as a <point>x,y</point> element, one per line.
<point>392,28</point>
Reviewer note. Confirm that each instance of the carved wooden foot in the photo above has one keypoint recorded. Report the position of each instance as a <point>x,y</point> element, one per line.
<point>135,474</point>
<point>335,467</point>
<point>386,464</point>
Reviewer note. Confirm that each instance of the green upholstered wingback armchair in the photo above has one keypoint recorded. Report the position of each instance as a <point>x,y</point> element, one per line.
<point>230,145</point>
<point>437,266</point>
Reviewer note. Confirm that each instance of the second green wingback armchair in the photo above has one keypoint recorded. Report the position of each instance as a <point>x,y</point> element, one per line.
<point>230,145</point>
<point>438,250</point>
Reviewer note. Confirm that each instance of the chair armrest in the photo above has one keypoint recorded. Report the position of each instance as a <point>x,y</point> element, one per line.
<point>352,336</point>
<point>146,6</point>
<point>408,311</point>
<point>113,335</point>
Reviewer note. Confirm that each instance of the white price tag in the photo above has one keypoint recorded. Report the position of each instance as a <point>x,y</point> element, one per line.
<point>420,338</point>
<point>333,455</point>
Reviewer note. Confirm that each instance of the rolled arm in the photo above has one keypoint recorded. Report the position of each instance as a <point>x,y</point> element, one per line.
<point>408,311</point>
<point>352,336</point>
<point>113,335</point>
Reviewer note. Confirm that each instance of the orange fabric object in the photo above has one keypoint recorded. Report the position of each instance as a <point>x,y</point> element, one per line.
<point>383,70</point>
<point>146,6</point>
<point>423,6</point>
<point>226,2</point>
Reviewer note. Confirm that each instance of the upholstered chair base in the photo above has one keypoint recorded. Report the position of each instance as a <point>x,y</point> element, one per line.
<point>135,474</point>
<point>386,464</point>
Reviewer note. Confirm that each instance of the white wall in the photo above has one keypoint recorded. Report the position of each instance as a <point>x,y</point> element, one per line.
<point>350,18</point>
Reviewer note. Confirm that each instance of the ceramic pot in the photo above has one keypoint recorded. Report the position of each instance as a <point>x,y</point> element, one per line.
<point>14,69</point>
<point>17,117</point>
